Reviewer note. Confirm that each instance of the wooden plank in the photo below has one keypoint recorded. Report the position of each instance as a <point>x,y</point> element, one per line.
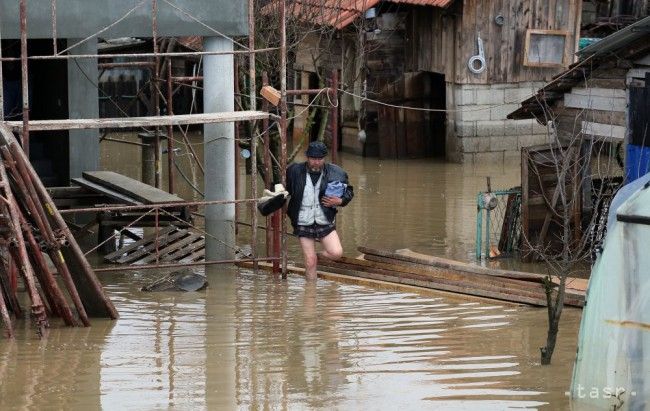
<point>599,92</point>
<point>184,247</point>
<point>169,248</point>
<point>461,287</point>
<point>374,262</point>
<point>110,257</point>
<point>106,191</point>
<point>609,132</point>
<point>511,277</point>
<point>131,122</point>
<point>188,250</point>
<point>130,187</point>
<point>197,255</point>
<point>409,256</point>
<point>162,241</point>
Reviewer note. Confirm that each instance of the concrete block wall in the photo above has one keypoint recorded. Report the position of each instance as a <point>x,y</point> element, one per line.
<point>481,130</point>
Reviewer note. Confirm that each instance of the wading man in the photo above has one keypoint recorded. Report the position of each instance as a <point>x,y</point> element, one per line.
<point>317,189</point>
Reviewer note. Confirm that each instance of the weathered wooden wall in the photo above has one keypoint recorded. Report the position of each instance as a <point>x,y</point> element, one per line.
<point>431,40</point>
<point>542,211</point>
<point>595,107</point>
<point>504,45</point>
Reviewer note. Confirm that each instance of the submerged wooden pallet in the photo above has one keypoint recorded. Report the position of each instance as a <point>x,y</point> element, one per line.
<point>174,245</point>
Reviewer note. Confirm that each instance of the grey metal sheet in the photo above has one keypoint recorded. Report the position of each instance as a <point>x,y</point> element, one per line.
<point>82,18</point>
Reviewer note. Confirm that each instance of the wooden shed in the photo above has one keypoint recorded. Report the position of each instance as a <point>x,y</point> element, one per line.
<point>602,103</point>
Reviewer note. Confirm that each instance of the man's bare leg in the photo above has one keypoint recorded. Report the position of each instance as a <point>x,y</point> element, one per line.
<point>309,253</point>
<point>332,246</point>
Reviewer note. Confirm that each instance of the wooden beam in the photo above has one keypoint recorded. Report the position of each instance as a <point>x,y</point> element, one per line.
<point>130,122</point>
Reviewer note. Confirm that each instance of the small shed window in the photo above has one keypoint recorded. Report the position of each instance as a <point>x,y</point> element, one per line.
<point>545,48</point>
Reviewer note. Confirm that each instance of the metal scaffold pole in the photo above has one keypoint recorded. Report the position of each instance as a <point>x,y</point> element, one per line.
<point>253,93</point>
<point>283,123</point>
<point>24,75</point>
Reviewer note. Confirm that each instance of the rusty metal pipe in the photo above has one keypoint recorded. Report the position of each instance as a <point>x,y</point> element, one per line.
<point>52,247</point>
<point>9,327</point>
<point>126,64</point>
<point>52,243</point>
<point>19,253</point>
<point>28,196</point>
<point>268,168</point>
<point>170,130</point>
<point>283,124</point>
<point>334,116</point>
<point>24,75</point>
<point>176,265</point>
<point>54,294</point>
<point>156,94</point>
<point>154,206</point>
<point>186,79</point>
<point>311,91</point>
<point>142,55</point>
<point>20,157</point>
<point>253,107</point>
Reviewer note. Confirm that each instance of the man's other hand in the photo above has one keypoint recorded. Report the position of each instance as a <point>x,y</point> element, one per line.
<point>331,201</point>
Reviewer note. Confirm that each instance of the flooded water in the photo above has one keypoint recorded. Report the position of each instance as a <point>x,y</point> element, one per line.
<point>257,342</point>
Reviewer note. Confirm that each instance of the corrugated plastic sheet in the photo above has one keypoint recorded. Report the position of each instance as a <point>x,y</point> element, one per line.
<point>340,13</point>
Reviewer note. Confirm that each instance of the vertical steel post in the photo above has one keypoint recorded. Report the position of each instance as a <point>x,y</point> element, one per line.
<point>2,100</point>
<point>253,107</point>
<point>283,123</point>
<point>479,225</point>
<point>170,128</point>
<point>487,234</point>
<point>268,174</point>
<point>53,12</point>
<point>24,75</point>
<point>334,111</point>
<point>237,157</point>
<point>154,90</point>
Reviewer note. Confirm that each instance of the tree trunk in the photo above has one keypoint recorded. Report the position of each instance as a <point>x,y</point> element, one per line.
<point>551,336</point>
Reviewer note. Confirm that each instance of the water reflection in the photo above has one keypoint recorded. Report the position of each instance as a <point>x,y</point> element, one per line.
<point>257,342</point>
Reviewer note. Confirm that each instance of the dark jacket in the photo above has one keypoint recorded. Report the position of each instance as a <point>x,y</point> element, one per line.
<point>296,180</point>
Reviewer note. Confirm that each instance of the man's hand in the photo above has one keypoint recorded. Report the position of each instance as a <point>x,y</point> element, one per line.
<point>331,201</point>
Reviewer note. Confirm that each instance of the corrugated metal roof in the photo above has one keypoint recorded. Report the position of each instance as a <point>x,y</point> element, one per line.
<point>340,13</point>
<point>619,39</point>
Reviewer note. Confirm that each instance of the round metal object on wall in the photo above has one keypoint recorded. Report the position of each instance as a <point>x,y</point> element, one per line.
<point>481,62</point>
<point>499,20</point>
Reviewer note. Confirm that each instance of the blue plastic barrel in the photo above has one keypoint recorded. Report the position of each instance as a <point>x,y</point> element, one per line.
<point>637,162</point>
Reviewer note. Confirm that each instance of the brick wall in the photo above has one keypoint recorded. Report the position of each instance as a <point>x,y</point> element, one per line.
<point>482,132</point>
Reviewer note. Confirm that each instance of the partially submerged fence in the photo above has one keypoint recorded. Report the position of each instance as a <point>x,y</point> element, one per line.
<point>498,223</point>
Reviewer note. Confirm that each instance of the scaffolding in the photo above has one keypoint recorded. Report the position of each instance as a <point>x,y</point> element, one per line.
<point>171,120</point>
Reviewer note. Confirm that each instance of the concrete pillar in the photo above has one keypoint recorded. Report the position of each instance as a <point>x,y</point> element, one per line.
<point>83,102</point>
<point>219,149</point>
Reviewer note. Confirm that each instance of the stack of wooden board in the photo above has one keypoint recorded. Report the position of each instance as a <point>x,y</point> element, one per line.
<point>407,267</point>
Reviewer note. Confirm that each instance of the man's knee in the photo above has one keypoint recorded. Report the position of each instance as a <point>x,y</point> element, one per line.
<point>335,253</point>
<point>311,260</point>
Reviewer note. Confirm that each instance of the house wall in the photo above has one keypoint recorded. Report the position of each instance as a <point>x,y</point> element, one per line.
<point>482,131</point>
<point>504,45</point>
<point>598,107</point>
<point>482,101</point>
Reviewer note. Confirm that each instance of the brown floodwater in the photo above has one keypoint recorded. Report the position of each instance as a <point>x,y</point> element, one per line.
<point>253,341</point>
